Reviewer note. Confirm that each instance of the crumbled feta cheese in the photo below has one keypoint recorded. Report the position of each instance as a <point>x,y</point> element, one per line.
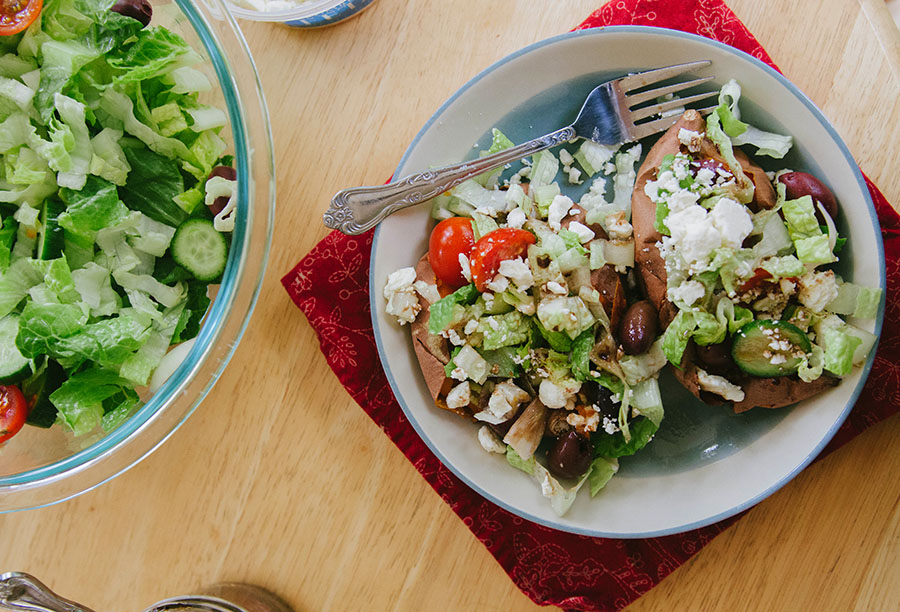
<point>458,374</point>
<point>464,267</point>
<point>720,386</point>
<point>617,226</point>
<point>555,287</point>
<point>565,157</point>
<point>471,327</point>
<point>574,176</point>
<point>503,402</point>
<point>692,236</point>
<point>588,424</point>
<point>515,218</point>
<point>687,292</point>
<point>488,299</point>
<point>558,209</point>
<point>609,168</point>
<point>459,396</point>
<point>427,291</point>
<point>610,426</point>
<point>490,442</point>
<point>453,335</point>
<point>733,221</point>
<point>690,139</point>
<point>488,211</point>
<point>552,395</point>
<point>584,233</point>
<point>705,177</point>
<point>817,289</point>
<point>402,301</point>
<point>681,199</point>
<point>498,284</point>
<point>518,272</point>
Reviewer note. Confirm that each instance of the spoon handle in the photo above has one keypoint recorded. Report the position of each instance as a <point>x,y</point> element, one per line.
<point>356,210</point>
<point>22,592</point>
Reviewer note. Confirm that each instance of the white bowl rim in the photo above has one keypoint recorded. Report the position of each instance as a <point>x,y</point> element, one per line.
<point>865,370</point>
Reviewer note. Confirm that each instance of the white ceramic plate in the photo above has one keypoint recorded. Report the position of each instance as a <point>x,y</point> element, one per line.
<point>705,463</point>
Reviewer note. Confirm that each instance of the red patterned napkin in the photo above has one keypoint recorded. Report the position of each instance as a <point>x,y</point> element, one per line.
<point>330,285</point>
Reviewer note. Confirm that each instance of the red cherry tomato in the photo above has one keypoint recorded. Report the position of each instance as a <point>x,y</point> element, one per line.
<point>13,411</point>
<point>494,247</point>
<point>759,277</point>
<point>448,239</point>
<point>16,15</point>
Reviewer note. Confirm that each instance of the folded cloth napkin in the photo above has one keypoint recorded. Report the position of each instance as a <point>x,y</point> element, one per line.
<point>330,285</point>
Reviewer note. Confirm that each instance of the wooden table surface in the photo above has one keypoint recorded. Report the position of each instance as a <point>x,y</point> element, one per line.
<point>281,480</point>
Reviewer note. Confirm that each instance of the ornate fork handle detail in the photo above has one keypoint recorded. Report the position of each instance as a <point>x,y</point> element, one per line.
<point>25,593</point>
<point>356,210</point>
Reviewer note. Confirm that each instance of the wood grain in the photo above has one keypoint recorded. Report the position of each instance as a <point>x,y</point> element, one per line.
<point>281,480</point>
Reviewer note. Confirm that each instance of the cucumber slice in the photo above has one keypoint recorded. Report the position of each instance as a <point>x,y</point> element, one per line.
<point>200,249</point>
<point>769,348</point>
<point>14,367</point>
<point>51,239</point>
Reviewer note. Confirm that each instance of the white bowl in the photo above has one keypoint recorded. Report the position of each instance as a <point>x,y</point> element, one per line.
<point>706,463</point>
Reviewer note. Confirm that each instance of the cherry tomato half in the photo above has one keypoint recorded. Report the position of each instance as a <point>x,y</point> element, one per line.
<point>494,247</point>
<point>16,15</point>
<point>13,411</point>
<point>450,238</point>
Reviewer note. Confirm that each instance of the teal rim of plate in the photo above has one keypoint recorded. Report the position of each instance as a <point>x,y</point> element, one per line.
<point>865,370</point>
<point>217,311</point>
<point>331,16</point>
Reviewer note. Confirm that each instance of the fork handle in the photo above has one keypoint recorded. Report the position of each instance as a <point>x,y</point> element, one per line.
<point>356,210</point>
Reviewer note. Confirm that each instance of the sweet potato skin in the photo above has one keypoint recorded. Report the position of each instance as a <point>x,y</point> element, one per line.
<point>762,392</point>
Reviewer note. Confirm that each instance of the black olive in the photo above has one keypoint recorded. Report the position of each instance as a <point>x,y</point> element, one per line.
<point>571,456</point>
<point>139,10</point>
<point>716,358</point>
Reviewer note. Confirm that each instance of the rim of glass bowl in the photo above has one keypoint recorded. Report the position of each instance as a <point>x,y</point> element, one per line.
<point>229,314</point>
<point>309,14</point>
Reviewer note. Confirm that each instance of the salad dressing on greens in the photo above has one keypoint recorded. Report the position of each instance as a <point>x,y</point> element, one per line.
<point>529,317</point>
<point>107,246</point>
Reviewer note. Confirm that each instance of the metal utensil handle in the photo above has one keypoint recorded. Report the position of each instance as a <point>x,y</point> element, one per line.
<point>356,210</point>
<point>22,592</point>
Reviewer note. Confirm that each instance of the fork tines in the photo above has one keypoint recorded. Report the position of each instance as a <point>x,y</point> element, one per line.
<point>631,90</point>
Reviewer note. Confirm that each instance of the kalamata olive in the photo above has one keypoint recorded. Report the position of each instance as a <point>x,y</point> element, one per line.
<point>639,325</point>
<point>227,173</point>
<point>139,10</point>
<point>571,456</point>
<point>799,184</point>
<point>712,164</point>
<point>716,358</point>
<point>601,398</point>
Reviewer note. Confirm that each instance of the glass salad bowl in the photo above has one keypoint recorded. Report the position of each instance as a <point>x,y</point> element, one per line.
<point>38,466</point>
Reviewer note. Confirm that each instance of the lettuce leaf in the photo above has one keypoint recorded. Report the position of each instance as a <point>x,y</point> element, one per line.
<point>92,208</point>
<point>152,185</point>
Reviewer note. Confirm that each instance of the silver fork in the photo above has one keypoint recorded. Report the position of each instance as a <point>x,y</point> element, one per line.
<point>611,115</point>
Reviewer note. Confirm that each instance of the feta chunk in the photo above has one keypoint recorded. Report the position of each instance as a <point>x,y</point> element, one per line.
<point>459,396</point>
<point>558,210</point>
<point>554,395</point>
<point>584,233</point>
<point>720,386</point>
<point>817,289</point>
<point>687,292</point>
<point>402,301</point>
<point>518,271</point>
<point>502,405</point>
<point>690,139</point>
<point>733,221</point>
<point>617,226</point>
<point>558,289</point>
<point>515,218</point>
<point>490,442</point>
<point>464,267</point>
<point>498,284</point>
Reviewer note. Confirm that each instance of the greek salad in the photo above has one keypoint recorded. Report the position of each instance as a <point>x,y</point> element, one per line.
<point>529,318</point>
<point>116,203</point>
